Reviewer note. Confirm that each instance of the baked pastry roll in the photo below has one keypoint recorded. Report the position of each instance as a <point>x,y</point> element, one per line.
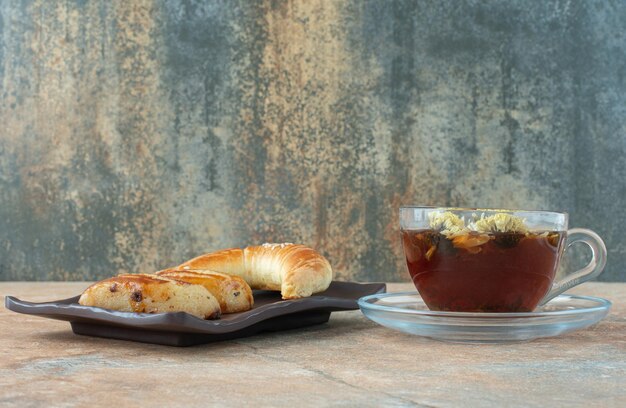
<point>151,294</point>
<point>232,292</point>
<point>295,270</point>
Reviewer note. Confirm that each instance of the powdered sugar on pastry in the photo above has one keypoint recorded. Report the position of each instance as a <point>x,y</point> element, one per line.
<point>272,246</point>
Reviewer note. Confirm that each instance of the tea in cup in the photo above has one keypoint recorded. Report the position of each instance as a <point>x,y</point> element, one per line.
<point>487,260</point>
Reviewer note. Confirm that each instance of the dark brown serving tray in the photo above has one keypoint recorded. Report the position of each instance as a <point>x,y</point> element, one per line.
<point>270,313</point>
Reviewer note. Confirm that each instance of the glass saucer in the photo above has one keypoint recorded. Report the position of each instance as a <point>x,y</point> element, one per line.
<point>408,313</point>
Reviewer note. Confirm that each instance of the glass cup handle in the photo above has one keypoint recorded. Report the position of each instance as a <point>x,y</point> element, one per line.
<point>593,269</point>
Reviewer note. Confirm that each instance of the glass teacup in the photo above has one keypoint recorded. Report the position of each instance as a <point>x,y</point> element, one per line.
<point>487,260</point>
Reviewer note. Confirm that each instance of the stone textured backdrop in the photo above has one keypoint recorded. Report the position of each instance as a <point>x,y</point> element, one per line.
<point>136,134</point>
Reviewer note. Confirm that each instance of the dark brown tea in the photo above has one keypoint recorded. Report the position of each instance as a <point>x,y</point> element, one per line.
<point>482,272</point>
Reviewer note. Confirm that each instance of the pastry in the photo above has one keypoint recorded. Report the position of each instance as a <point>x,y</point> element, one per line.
<point>151,294</point>
<point>232,292</point>
<point>295,270</point>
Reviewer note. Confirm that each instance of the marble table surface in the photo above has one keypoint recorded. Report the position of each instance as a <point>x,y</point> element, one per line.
<point>349,361</point>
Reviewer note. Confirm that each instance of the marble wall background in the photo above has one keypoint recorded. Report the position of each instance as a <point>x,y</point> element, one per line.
<point>136,134</point>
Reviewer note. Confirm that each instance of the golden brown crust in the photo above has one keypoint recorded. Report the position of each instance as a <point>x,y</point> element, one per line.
<point>296,270</point>
<point>232,292</point>
<point>138,279</point>
<point>228,261</point>
<point>151,294</point>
